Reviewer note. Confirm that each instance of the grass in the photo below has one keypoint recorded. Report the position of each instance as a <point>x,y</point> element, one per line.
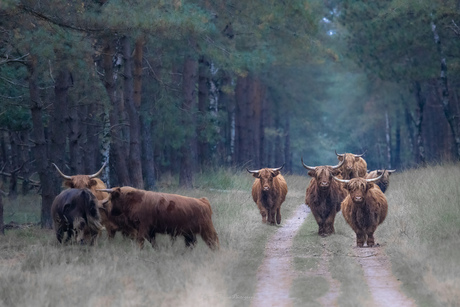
<point>35,270</point>
<point>421,236</point>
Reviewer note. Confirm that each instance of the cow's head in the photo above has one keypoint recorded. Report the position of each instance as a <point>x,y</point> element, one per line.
<point>80,181</point>
<point>348,160</point>
<point>358,187</point>
<point>120,198</point>
<point>323,174</point>
<point>266,175</point>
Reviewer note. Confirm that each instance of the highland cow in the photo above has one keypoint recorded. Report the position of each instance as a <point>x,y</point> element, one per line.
<point>353,166</point>
<point>384,181</point>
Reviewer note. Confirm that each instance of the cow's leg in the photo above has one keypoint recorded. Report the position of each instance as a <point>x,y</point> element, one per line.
<point>360,238</point>
<point>319,221</point>
<point>278,215</point>
<point>271,216</point>
<point>190,239</point>
<point>209,236</point>
<point>329,223</point>
<point>263,212</point>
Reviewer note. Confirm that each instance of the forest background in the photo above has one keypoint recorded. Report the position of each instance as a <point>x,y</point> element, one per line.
<point>163,90</point>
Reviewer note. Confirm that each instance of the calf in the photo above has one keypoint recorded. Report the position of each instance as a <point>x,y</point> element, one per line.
<point>384,181</point>
<point>151,212</point>
<point>324,196</point>
<point>364,208</point>
<point>75,212</point>
<point>269,192</point>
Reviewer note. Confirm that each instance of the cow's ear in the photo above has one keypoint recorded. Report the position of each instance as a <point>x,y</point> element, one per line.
<point>311,173</point>
<point>369,185</point>
<point>340,158</point>
<point>275,173</point>
<point>356,159</point>
<point>92,182</point>
<point>256,175</point>
<point>69,184</point>
<point>336,172</point>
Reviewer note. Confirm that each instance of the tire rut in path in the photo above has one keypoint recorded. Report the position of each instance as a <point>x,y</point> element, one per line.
<point>274,276</point>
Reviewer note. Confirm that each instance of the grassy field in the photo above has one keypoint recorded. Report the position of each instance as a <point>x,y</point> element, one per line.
<point>421,236</point>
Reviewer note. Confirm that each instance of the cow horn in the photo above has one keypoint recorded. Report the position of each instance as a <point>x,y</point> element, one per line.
<point>391,170</point>
<point>360,154</point>
<point>278,168</point>
<point>62,174</point>
<point>376,178</point>
<point>341,180</point>
<point>338,165</point>
<point>99,171</point>
<point>253,171</point>
<point>311,168</point>
<point>339,155</point>
<point>105,190</point>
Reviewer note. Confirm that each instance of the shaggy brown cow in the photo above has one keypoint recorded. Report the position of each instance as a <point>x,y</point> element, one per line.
<point>353,165</point>
<point>324,196</point>
<point>91,182</point>
<point>75,212</point>
<point>364,208</point>
<point>151,212</point>
<point>269,192</point>
<point>384,181</point>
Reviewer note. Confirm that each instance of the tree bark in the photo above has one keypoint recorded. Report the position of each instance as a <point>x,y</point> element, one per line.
<point>2,227</point>
<point>135,162</point>
<point>388,139</point>
<point>420,99</point>
<point>40,148</point>
<point>148,162</point>
<point>121,175</point>
<point>203,105</point>
<point>188,150</point>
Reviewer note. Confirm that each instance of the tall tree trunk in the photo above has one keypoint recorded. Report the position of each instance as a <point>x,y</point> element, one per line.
<point>121,176</point>
<point>135,166</point>
<point>242,124</point>
<point>75,133</point>
<point>287,145</point>
<point>420,99</point>
<point>148,162</point>
<point>397,155</point>
<point>91,148</point>
<point>388,139</point>
<point>203,105</point>
<point>2,228</point>
<point>40,148</point>
<point>188,150</point>
<point>449,110</point>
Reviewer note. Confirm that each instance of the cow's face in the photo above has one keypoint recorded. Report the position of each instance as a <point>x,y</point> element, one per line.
<point>348,161</point>
<point>323,176</point>
<point>266,177</point>
<point>358,188</point>
<point>80,182</point>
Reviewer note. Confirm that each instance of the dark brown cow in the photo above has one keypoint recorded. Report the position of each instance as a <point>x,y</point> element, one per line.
<point>91,182</point>
<point>353,165</point>
<point>384,181</point>
<point>324,196</point>
<point>75,213</point>
<point>151,212</point>
<point>269,192</point>
<point>364,208</point>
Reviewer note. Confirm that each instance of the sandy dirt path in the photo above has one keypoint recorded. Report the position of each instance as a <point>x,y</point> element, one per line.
<point>276,272</point>
<point>383,285</point>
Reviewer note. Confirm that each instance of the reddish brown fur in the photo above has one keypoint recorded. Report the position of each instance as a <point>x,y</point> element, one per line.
<point>269,191</point>
<point>352,167</point>
<point>364,208</point>
<point>384,182</point>
<point>324,196</point>
<point>151,212</point>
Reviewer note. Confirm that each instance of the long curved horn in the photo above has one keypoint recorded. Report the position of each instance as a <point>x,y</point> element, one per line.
<point>360,154</point>
<point>62,174</point>
<point>391,170</point>
<point>99,171</point>
<point>339,155</point>
<point>277,168</point>
<point>341,180</point>
<point>105,190</point>
<point>311,168</point>
<point>338,165</point>
<point>376,178</point>
<point>253,171</point>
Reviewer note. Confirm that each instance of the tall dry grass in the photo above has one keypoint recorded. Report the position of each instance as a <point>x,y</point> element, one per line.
<point>422,231</point>
<point>36,271</point>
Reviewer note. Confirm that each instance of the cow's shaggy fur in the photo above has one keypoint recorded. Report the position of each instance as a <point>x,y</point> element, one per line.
<point>364,208</point>
<point>324,196</point>
<point>151,212</point>
<point>353,166</point>
<point>269,191</point>
<point>384,181</point>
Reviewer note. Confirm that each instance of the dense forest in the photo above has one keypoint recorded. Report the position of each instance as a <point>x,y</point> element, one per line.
<point>173,88</point>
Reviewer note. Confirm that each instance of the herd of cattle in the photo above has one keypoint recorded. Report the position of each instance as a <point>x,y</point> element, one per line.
<point>81,212</point>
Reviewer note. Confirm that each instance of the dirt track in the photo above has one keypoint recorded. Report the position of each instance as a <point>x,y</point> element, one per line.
<point>276,273</point>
